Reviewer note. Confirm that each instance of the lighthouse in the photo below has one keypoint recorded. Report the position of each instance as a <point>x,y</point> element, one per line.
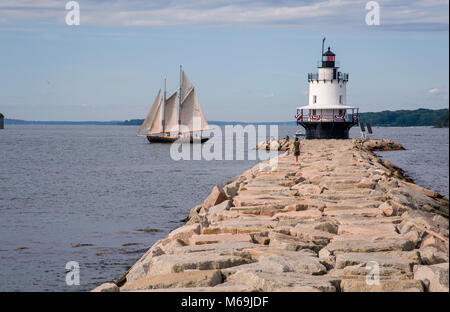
<point>327,115</point>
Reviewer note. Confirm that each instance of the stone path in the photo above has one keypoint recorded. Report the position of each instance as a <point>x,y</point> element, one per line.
<point>340,218</point>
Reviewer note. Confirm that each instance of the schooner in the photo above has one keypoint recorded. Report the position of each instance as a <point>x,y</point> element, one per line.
<point>181,118</point>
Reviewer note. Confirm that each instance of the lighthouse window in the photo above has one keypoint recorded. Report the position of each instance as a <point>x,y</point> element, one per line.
<point>314,99</point>
<point>340,99</point>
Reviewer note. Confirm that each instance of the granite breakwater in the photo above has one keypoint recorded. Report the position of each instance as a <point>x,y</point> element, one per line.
<point>323,225</point>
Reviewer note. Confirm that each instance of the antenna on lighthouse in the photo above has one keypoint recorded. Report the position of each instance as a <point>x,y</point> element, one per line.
<point>323,42</point>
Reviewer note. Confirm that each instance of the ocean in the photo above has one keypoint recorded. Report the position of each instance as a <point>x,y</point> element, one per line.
<point>101,196</point>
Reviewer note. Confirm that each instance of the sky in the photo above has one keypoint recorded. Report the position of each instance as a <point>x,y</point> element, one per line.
<point>248,59</point>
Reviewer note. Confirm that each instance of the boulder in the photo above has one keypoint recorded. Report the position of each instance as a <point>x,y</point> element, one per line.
<point>217,247</point>
<point>434,276</point>
<point>264,281</point>
<point>367,228</point>
<point>106,287</point>
<point>387,210</point>
<point>232,188</point>
<point>350,259</point>
<point>219,238</point>
<point>327,227</point>
<point>354,244</point>
<point>282,263</point>
<point>220,207</point>
<point>391,285</point>
<point>304,189</point>
<point>366,183</point>
<point>306,214</point>
<point>216,196</point>
<point>194,211</point>
<point>195,278</point>
<point>432,255</point>
<point>184,233</point>
<point>287,242</point>
<point>206,260</point>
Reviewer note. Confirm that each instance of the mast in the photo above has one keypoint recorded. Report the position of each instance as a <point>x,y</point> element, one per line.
<point>180,99</point>
<point>164,104</point>
<point>321,57</point>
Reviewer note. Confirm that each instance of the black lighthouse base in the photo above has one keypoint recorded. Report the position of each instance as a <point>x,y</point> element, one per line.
<point>327,130</point>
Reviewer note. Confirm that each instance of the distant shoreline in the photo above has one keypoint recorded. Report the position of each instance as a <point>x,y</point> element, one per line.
<point>438,118</point>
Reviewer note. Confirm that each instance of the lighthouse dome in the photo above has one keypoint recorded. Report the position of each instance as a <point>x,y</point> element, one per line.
<point>329,53</point>
<point>328,59</point>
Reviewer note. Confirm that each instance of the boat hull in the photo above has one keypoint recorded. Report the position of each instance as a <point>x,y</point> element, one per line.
<point>171,139</point>
<point>327,130</point>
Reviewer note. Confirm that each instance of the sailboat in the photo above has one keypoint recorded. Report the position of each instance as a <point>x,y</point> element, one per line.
<point>181,118</point>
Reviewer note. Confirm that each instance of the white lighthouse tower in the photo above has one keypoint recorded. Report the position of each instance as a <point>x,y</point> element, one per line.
<point>327,114</point>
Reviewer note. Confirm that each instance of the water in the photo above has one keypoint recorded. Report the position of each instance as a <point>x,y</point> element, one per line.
<point>66,185</point>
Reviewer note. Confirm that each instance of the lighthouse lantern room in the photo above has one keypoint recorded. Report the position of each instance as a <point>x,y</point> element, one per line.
<point>327,116</point>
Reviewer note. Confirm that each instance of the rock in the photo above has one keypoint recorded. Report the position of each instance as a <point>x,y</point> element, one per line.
<point>422,190</point>
<point>434,276</point>
<point>387,209</point>
<point>231,189</point>
<point>106,287</point>
<point>206,260</point>
<point>430,240</point>
<point>304,189</point>
<point>350,259</point>
<point>271,282</point>
<point>394,285</point>
<point>308,233</point>
<point>216,196</point>
<point>199,219</point>
<point>361,245</point>
<point>327,227</point>
<point>413,236</point>
<point>194,211</point>
<point>367,228</point>
<point>274,145</point>
<point>327,258</point>
<point>168,246</point>
<point>279,264</point>
<point>366,183</point>
<point>295,207</point>
<point>432,255</point>
<point>219,238</point>
<point>203,278</point>
<point>231,246</point>
<point>184,233</point>
<point>306,214</point>
<point>220,207</point>
<point>283,241</point>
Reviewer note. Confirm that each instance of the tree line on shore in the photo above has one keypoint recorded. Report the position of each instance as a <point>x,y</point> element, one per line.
<point>408,118</point>
<point>400,118</point>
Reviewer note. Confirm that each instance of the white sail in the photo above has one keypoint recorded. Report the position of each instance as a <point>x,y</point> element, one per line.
<point>152,114</point>
<point>157,121</point>
<point>186,86</point>
<point>171,114</point>
<point>191,114</point>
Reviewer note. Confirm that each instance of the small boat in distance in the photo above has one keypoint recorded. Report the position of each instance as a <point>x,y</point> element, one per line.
<point>182,116</point>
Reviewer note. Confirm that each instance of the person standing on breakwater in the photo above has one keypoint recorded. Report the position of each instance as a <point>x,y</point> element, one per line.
<point>296,147</point>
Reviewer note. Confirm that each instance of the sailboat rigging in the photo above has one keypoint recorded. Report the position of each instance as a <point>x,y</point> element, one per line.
<point>179,120</point>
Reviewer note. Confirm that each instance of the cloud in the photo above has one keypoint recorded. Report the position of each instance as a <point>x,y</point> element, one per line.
<point>433,91</point>
<point>269,95</point>
<point>395,15</point>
